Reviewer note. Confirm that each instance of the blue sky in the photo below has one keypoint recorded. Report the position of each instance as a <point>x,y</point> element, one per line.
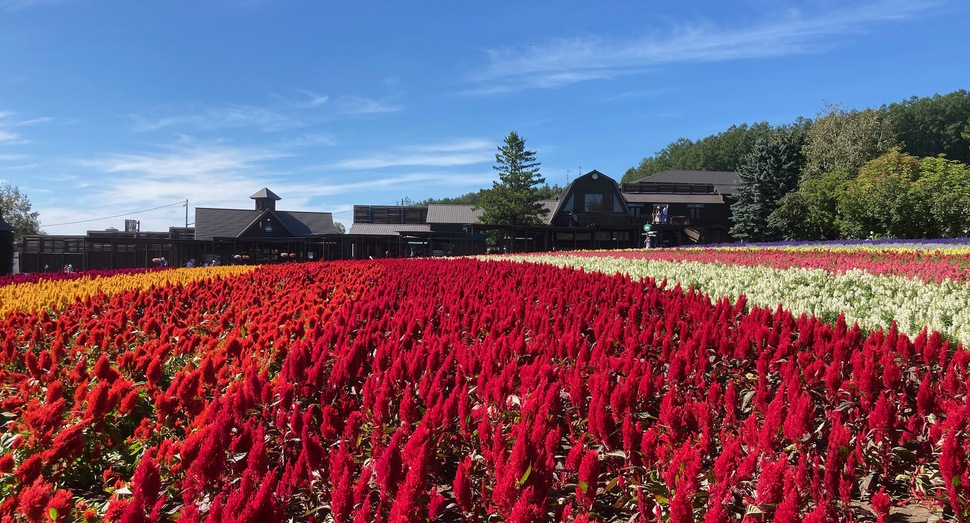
<point>111,108</point>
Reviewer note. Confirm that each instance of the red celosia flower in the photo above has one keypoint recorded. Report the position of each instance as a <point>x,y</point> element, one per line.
<point>129,402</point>
<point>32,501</point>
<point>104,371</point>
<point>6,463</point>
<point>55,391</point>
<point>526,510</point>
<point>462,486</point>
<point>61,502</point>
<point>147,482</point>
<point>681,508</point>
<point>153,372</point>
<point>389,466</point>
<point>436,504</point>
<point>880,505</point>
<point>97,402</point>
<point>771,481</point>
<point>67,445</point>
<point>29,469</point>
<point>588,478</point>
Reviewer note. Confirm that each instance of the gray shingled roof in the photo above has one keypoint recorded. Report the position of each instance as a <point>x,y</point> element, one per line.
<point>440,213</point>
<point>229,223</point>
<point>674,198</point>
<point>724,181</point>
<point>387,229</point>
<point>222,223</point>
<point>302,223</point>
<point>551,206</point>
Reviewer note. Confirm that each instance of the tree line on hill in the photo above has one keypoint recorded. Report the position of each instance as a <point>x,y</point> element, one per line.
<point>897,171</point>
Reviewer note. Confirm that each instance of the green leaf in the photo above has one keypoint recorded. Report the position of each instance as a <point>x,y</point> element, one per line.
<point>525,477</point>
<point>583,486</point>
<point>613,482</point>
<point>52,513</point>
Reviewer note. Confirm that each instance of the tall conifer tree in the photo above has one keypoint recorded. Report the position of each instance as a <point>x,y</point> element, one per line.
<point>514,197</point>
<point>767,173</point>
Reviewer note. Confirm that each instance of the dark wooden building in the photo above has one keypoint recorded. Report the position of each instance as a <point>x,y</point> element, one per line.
<point>683,207</point>
<point>593,212</point>
<point>263,234</point>
<point>259,235</point>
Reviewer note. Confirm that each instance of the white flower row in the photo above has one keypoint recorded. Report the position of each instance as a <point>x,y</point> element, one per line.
<point>871,300</point>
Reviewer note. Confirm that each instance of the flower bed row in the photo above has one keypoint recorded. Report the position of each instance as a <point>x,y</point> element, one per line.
<point>872,300</point>
<point>449,390</point>
<point>34,277</point>
<point>920,264</point>
<point>49,293</point>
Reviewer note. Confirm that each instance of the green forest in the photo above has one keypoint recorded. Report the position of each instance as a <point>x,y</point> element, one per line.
<point>899,171</point>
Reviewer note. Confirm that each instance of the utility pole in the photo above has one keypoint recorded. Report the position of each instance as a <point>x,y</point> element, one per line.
<point>186,213</point>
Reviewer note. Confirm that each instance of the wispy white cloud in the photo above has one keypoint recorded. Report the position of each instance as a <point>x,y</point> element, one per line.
<point>415,183</point>
<point>355,105</point>
<point>9,137</point>
<point>8,124</point>
<point>313,99</point>
<point>449,154</point>
<point>570,60</point>
<point>145,185</point>
<point>303,99</point>
<point>309,140</point>
<point>213,173</point>
<point>287,113</point>
<point>19,167</point>
<point>189,162</point>
<point>212,118</point>
<point>13,5</point>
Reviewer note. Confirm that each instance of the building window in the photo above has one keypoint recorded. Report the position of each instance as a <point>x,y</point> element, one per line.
<point>694,209</point>
<point>594,202</point>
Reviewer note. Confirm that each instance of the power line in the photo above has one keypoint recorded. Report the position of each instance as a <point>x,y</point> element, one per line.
<point>115,216</point>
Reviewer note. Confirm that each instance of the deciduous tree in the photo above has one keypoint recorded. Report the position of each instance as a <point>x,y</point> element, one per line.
<point>15,207</point>
<point>841,139</point>
<point>880,201</point>
<point>810,213</point>
<point>933,125</point>
<point>943,196</point>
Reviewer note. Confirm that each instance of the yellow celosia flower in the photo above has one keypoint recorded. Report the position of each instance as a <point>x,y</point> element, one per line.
<point>54,294</point>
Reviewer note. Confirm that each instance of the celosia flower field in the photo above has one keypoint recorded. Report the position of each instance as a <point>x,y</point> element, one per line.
<point>464,390</point>
<point>911,288</point>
